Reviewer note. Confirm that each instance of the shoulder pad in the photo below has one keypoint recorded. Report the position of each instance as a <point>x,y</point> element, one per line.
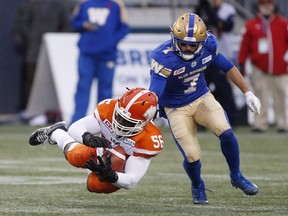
<point>211,43</point>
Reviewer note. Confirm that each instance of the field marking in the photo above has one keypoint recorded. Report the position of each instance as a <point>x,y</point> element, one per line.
<point>37,180</point>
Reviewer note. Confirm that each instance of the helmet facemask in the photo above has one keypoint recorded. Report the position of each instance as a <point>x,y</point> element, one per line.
<point>124,125</point>
<point>133,112</point>
<point>186,55</point>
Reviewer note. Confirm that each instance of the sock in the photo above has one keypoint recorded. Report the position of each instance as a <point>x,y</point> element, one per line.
<point>193,170</point>
<point>230,149</point>
<point>62,138</point>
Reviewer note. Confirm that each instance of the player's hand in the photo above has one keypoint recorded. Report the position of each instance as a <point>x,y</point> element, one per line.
<point>95,141</point>
<point>90,26</point>
<point>253,102</point>
<point>103,170</point>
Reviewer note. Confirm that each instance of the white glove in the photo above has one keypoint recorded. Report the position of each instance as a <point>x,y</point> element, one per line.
<point>253,102</point>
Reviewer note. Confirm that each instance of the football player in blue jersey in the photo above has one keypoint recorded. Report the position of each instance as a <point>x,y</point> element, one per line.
<point>102,24</point>
<point>177,77</point>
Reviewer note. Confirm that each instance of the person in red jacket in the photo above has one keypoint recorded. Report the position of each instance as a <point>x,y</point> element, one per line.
<point>265,42</point>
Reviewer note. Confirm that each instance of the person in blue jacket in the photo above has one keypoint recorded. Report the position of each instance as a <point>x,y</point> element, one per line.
<point>102,24</point>
<point>177,77</point>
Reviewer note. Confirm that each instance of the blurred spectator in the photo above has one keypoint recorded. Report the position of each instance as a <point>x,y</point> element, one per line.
<point>219,18</point>
<point>33,19</point>
<point>102,24</point>
<point>265,42</point>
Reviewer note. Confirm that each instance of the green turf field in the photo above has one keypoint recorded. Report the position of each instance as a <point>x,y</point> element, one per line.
<point>40,182</point>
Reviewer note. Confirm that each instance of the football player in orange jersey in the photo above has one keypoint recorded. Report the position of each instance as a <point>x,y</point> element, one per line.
<point>126,122</point>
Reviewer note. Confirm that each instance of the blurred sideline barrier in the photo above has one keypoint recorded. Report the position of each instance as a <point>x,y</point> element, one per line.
<point>56,72</point>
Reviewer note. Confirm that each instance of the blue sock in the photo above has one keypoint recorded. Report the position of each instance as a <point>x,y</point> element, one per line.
<point>193,170</point>
<point>230,149</point>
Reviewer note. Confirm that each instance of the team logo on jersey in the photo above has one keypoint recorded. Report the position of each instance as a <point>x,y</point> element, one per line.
<point>156,67</point>
<point>193,64</point>
<point>108,124</point>
<point>207,59</point>
<point>179,71</point>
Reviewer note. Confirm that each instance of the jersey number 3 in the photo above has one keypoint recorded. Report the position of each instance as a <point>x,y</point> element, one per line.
<point>192,82</point>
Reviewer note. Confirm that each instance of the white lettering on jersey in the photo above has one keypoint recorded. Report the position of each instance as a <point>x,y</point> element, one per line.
<point>158,141</point>
<point>108,124</point>
<point>198,70</point>
<point>179,71</point>
<point>129,142</point>
<point>207,59</point>
<point>169,49</point>
<point>193,83</point>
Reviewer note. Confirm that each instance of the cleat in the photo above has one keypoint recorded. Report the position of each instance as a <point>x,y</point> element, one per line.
<point>43,134</point>
<point>245,185</point>
<point>199,194</point>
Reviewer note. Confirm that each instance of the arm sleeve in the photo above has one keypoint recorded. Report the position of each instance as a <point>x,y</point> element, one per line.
<point>78,19</point>
<point>135,169</point>
<point>157,83</point>
<point>223,63</point>
<point>78,128</point>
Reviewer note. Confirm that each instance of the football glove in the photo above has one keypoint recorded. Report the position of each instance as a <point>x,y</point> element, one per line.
<point>103,170</point>
<point>95,141</point>
<point>253,102</point>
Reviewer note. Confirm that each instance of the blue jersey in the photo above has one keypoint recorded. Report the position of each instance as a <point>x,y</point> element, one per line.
<point>105,15</point>
<point>178,82</point>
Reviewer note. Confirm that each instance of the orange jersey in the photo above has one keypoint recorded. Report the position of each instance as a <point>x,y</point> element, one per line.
<point>146,144</point>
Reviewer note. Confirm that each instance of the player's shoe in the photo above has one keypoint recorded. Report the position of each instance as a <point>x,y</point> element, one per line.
<point>199,194</point>
<point>43,134</point>
<point>249,188</point>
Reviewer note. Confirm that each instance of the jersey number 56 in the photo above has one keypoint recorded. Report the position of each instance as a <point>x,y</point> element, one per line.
<point>158,140</point>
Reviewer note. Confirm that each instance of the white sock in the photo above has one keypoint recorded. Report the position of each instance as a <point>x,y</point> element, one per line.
<point>62,138</point>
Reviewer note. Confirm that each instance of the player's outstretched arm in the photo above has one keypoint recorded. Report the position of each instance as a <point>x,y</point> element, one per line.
<point>252,101</point>
<point>135,169</point>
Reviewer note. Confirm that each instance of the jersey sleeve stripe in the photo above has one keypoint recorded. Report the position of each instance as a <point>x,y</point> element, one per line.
<point>144,151</point>
<point>113,151</point>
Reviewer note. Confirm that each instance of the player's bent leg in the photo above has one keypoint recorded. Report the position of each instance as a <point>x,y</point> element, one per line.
<point>210,114</point>
<point>95,185</point>
<point>77,154</point>
<point>184,131</point>
<point>193,170</point>
<point>230,149</point>
<point>42,135</point>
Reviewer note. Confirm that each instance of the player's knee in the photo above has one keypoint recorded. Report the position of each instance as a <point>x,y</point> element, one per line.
<point>69,147</point>
<point>78,155</point>
<point>95,185</point>
<point>226,135</point>
<point>193,156</point>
